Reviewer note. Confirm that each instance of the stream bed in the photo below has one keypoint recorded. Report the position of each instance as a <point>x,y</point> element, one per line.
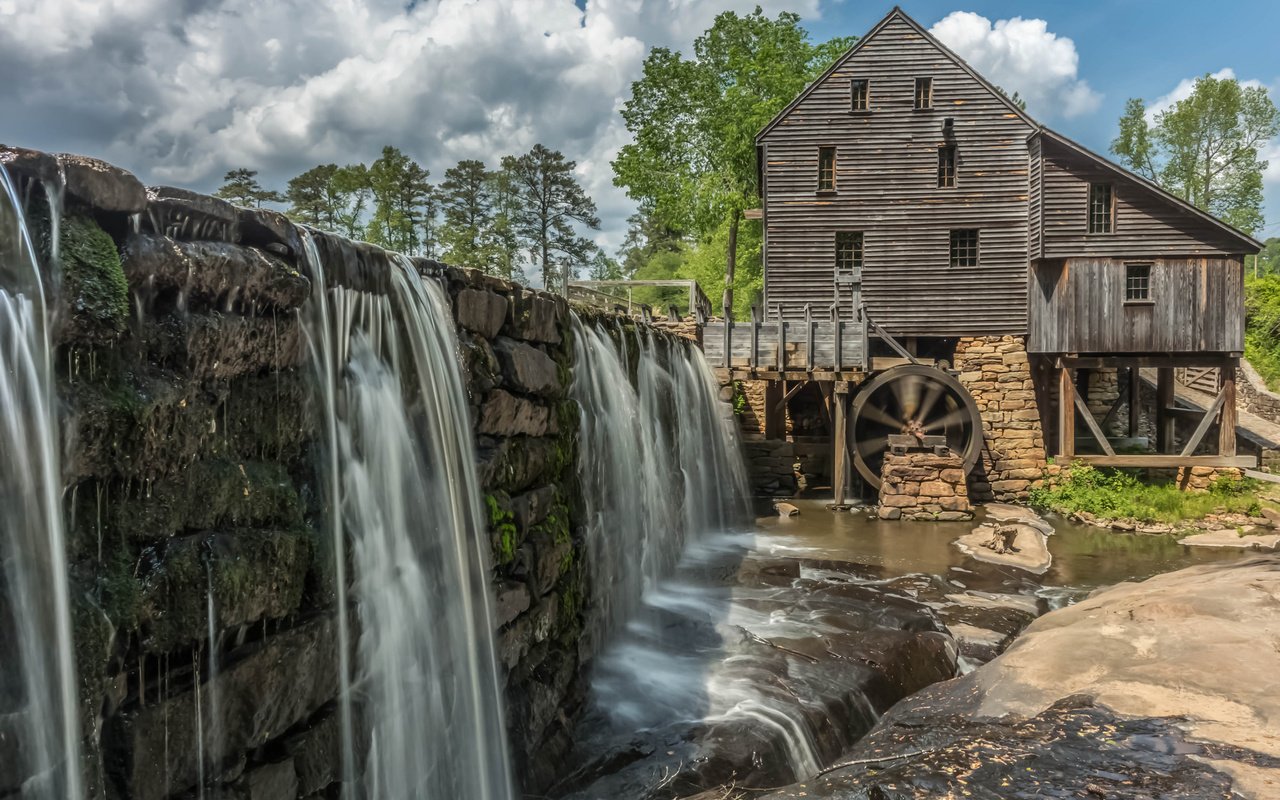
<point>771,650</point>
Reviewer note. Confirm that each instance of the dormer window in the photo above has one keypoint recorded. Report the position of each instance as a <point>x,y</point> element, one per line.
<point>1102,208</point>
<point>924,93</point>
<point>859,95</point>
<point>826,169</point>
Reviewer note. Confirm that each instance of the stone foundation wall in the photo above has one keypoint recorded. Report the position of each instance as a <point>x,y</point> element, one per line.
<point>996,371</point>
<point>1252,394</point>
<point>191,457</point>
<point>923,486</point>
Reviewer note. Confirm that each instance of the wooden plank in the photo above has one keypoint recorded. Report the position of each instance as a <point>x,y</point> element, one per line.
<point>1066,414</point>
<point>1166,461</point>
<point>1164,401</point>
<point>1140,361</point>
<point>1262,476</point>
<point>1092,424</point>
<point>840,448</point>
<point>1205,421</point>
<point>1135,400</point>
<point>1227,426</point>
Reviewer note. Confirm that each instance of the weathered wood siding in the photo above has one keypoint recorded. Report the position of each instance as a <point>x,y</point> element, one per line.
<point>1077,306</point>
<point>1035,201</point>
<point>886,187</point>
<point>1146,223</point>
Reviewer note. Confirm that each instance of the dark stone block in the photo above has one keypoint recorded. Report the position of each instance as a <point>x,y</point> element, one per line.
<point>270,230</point>
<point>102,186</point>
<point>527,369</point>
<point>190,216</point>
<point>504,414</point>
<point>480,311</point>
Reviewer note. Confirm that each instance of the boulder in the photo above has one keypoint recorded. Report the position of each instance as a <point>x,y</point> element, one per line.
<point>20,162</point>
<point>480,311</point>
<point>190,216</point>
<point>1229,537</point>
<point>102,186</point>
<point>536,319</point>
<point>270,230</point>
<point>1006,512</point>
<point>275,781</point>
<point>527,369</point>
<point>785,509</point>
<point>1017,545</point>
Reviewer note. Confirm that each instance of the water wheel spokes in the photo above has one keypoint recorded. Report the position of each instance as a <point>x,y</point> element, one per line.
<point>917,400</point>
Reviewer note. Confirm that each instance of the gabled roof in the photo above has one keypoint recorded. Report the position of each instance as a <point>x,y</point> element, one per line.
<point>1250,244</point>
<point>896,13</point>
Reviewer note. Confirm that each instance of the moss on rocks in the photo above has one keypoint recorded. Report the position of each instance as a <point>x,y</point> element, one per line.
<point>93,280</point>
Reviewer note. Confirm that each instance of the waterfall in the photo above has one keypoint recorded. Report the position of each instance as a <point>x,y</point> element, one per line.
<point>660,461</point>
<point>422,690</point>
<point>38,683</point>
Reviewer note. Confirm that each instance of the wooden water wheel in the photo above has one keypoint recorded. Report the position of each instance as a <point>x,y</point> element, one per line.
<point>916,400</point>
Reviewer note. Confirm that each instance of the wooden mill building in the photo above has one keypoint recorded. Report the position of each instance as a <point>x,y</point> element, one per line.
<point>910,207</point>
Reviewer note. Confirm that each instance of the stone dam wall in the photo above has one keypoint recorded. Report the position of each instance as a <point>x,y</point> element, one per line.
<point>193,502</point>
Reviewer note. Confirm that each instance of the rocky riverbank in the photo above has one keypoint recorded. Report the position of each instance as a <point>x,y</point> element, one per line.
<point>1164,688</point>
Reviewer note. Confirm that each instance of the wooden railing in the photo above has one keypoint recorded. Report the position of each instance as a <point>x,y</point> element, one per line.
<point>781,345</point>
<point>624,292</point>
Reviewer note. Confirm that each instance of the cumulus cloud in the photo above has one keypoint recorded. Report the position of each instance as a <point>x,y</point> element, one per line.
<point>182,90</point>
<point>1022,55</point>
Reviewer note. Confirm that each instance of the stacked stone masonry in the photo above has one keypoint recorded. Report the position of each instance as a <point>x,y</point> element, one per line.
<point>182,367</point>
<point>924,486</point>
<point>996,371</point>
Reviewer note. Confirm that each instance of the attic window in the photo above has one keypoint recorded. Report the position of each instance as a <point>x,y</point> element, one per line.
<point>964,248</point>
<point>826,169</point>
<point>924,92</point>
<point>859,95</point>
<point>947,166</point>
<point>1137,283</point>
<point>1102,208</point>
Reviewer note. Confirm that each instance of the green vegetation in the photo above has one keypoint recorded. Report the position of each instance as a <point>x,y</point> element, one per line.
<point>1262,328</point>
<point>1121,494</point>
<point>502,526</point>
<point>95,281</point>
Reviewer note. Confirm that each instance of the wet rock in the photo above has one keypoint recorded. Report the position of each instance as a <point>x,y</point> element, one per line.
<point>1272,516</point>
<point>95,291</point>
<point>528,369</point>
<point>514,465</point>
<point>20,162</point>
<point>276,781</point>
<point>1018,545</point>
<point>167,274</point>
<point>258,700</point>
<point>532,507</point>
<point>1005,512</point>
<point>480,311</point>
<point>190,216</point>
<point>1230,537</point>
<point>317,753</point>
<point>1142,690</point>
<point>504,414</point>
<point>102,186</point>
<point>785,509</point>
<point>513,600</point>
<point>269,230</point>
<point>480,364</point>
<point>537,318</point>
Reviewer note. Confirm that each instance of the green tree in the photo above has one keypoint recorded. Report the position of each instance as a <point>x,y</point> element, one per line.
<point>1206,147</point>
<point>401,197</point>
<point>692,160</point>
<point>504,239</point>
<point>550,205</point>
<point>241,186</point>
<point>330,197</point>
<point>647,237</point>
<point>467,201</point>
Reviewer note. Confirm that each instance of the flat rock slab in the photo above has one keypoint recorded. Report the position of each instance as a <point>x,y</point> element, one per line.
<point>1165,688</point>
<point>1228,537</point>
<point>1008,513</point>
<point>1015,545</point>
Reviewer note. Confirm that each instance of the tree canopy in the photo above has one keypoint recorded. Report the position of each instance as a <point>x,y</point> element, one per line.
<point>240,186</point>
<point>1205,148</point>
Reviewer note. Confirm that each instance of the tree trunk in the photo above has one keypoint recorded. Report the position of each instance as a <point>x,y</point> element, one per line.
<point>730,264</point>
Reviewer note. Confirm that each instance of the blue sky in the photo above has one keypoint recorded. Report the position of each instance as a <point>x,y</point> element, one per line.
<point>1126,49</point>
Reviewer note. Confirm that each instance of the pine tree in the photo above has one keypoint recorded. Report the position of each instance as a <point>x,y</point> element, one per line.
<point>550,206</point>
<point>467,202</point>
<point>241,186</point>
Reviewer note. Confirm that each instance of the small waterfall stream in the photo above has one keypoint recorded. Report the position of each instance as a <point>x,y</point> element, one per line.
<point>38,683</point>
<point>403,494</point>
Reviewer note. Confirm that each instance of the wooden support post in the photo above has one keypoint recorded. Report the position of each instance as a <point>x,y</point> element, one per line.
<point>1135,400</point>
<point>782,342</point>
<point>841,449</point>
<point>755,337</point>
<point>774,413</point>
<point>1066,415</point>
<point>1164,401</point>
<point>1227,390</point>
<point>728,333</point>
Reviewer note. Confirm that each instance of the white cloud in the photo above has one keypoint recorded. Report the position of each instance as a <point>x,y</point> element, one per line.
<point>182,90</point>
<point>1022,55</point>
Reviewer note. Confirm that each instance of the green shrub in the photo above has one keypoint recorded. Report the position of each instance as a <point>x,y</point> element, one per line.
<point>1122,494</point>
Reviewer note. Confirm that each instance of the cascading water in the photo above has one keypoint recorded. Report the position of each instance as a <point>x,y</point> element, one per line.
<point>660,462</point>
<point>38,684</point>
<point>404,495</point>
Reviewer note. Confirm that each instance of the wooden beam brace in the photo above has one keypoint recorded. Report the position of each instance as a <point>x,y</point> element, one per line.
<point>1066,414</point>
<point>1166,461</point>
<point>783,402</point>
<point>1092,424</point>
<point>1227,427</point>
<point>1114,411</point>
<point>1205,421</point>
<point>1164,401</point>
<point>1144,361</point>
<point>1135,400</point>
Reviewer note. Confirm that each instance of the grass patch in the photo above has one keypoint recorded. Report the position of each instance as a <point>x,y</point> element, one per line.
<point>1121,494</point>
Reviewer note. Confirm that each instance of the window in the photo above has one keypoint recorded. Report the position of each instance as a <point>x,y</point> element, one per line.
<point>1137,283</point>
<point>859,95</point>
<point>947,166</point>
<point>1102,208</point>
<point>964,248</point>
<point>826,169</point>
<point>924,92</point>
<point>848,252</point>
